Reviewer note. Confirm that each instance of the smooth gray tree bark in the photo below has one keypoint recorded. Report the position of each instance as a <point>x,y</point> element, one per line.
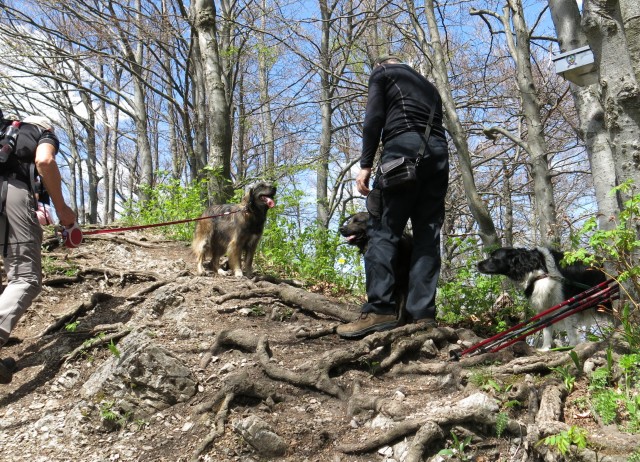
<point>616,55</point>
<point>477,206</point>
<point>518,39</point>
<point>219,105</point>
<point>566,19</point>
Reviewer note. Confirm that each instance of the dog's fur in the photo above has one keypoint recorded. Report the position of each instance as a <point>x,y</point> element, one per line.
<point>546,283</point>
<point>235,230</point>
<point>354,229</point>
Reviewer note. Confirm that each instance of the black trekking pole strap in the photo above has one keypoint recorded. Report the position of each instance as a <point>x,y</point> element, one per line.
<point>550,321</point>
<point>560,312</point>
<point>604,286</point>
<point>576,284</point>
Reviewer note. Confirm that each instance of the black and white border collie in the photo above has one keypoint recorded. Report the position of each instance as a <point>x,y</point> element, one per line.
<point>546,283</point>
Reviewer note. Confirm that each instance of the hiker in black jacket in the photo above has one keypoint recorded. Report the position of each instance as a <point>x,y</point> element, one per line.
<point>33,150</point>
<point>404,111</point>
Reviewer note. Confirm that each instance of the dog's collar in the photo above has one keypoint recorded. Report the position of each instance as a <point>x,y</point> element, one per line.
<point>528,290</point>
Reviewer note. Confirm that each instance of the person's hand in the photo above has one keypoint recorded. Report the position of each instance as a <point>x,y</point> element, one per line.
<point>66,216</point>
<point>362,181</point>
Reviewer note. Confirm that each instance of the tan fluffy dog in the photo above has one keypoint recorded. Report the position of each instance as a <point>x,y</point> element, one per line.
<point>234,230</point>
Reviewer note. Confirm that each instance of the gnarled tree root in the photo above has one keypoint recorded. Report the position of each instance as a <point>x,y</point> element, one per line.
<point>235,385</point>
<point>478,409</point>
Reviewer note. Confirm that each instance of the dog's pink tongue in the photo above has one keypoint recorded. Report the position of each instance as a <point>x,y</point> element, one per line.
<point>270,202</point>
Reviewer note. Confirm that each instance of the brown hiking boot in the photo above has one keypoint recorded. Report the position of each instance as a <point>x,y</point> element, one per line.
<point>367,323</point>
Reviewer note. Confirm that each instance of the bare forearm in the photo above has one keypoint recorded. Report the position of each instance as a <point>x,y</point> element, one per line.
<point>48,170</point>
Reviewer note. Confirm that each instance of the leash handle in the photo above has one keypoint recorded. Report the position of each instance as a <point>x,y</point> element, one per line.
<point>72,237</point>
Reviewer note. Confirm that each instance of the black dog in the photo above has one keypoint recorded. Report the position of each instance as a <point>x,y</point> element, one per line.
<point>546,283</point>
<point>354,229</point>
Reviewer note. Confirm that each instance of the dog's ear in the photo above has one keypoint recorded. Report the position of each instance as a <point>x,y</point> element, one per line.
<point>346,219</point>
<point>248,194</point>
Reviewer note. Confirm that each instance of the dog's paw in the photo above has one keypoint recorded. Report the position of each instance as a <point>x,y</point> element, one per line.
<point>222,272</point>
<point>543,349</point>
<point>238,274</point>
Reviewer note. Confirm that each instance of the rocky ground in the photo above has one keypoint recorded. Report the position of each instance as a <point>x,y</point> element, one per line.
<point>128,356</point>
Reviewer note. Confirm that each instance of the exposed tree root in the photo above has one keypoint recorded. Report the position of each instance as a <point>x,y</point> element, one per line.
<point>234,338</point>
<point>402,347</point>
<point>545,361</point>
<point>218,428</point>
<point>122,240</point>
<point>234,385</point>
<point>427,434</point>
<point>318,376</point>
<point>479,410</point>
<point>317,333</point>
<point>106,272</point>
<point>359,402</point>
<point>398,431</point>
<point>75,312</point>
<point>551,401</point>
<point>95,342</point>
<point>310,301</point>
<point>147,290</point>
<point>244,295</point>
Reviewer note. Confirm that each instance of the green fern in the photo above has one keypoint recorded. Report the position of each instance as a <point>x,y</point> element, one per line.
<point>502,419</point>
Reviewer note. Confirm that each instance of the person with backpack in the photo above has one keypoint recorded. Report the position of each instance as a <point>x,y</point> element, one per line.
<point>27,148</point>
<point>404,111</point>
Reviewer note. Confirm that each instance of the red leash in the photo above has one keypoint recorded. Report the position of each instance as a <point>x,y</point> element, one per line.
<point>155,225</point>
<point>72,237</point>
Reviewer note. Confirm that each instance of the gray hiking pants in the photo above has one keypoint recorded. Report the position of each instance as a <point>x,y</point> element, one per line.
<point>23,260</point>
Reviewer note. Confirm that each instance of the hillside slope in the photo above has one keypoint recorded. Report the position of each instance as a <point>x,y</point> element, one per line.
<point>127,355</point>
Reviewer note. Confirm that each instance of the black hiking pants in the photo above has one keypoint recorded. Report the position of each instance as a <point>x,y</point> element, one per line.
<point>423,204</point>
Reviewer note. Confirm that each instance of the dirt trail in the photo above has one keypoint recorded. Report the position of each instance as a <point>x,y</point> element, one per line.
<point>269,372</point>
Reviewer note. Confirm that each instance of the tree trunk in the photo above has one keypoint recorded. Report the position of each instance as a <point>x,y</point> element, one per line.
<point>603,23</point>
<point>507,204</point>
<point>520,49</point>
<point>566,18</point>
<point>264,56</point>
<point>322,170</point>
<point>91,159</point>
<point>198,154</point>
<point>477,206</point>
<point>113,166</point>
<point>219,115</point>
<point>630,13</point>
<point>109,134</point>
<point>241,172</point>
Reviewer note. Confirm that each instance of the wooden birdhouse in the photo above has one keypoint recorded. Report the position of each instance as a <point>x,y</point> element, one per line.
<point>577,66</point>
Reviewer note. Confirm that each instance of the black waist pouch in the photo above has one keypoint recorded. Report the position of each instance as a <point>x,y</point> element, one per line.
<point>397,174</point>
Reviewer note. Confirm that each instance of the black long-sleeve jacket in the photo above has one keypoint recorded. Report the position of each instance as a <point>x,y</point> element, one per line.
<point>399,101</point>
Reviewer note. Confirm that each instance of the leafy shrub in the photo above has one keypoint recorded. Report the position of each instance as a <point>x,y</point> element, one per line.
<point>468,298</point>
<point>617,250</point>
<point>618,402</point>
<point>563,441</point>
<point>290,249</point>
<point>168,201</point>
<point>605,404</point>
